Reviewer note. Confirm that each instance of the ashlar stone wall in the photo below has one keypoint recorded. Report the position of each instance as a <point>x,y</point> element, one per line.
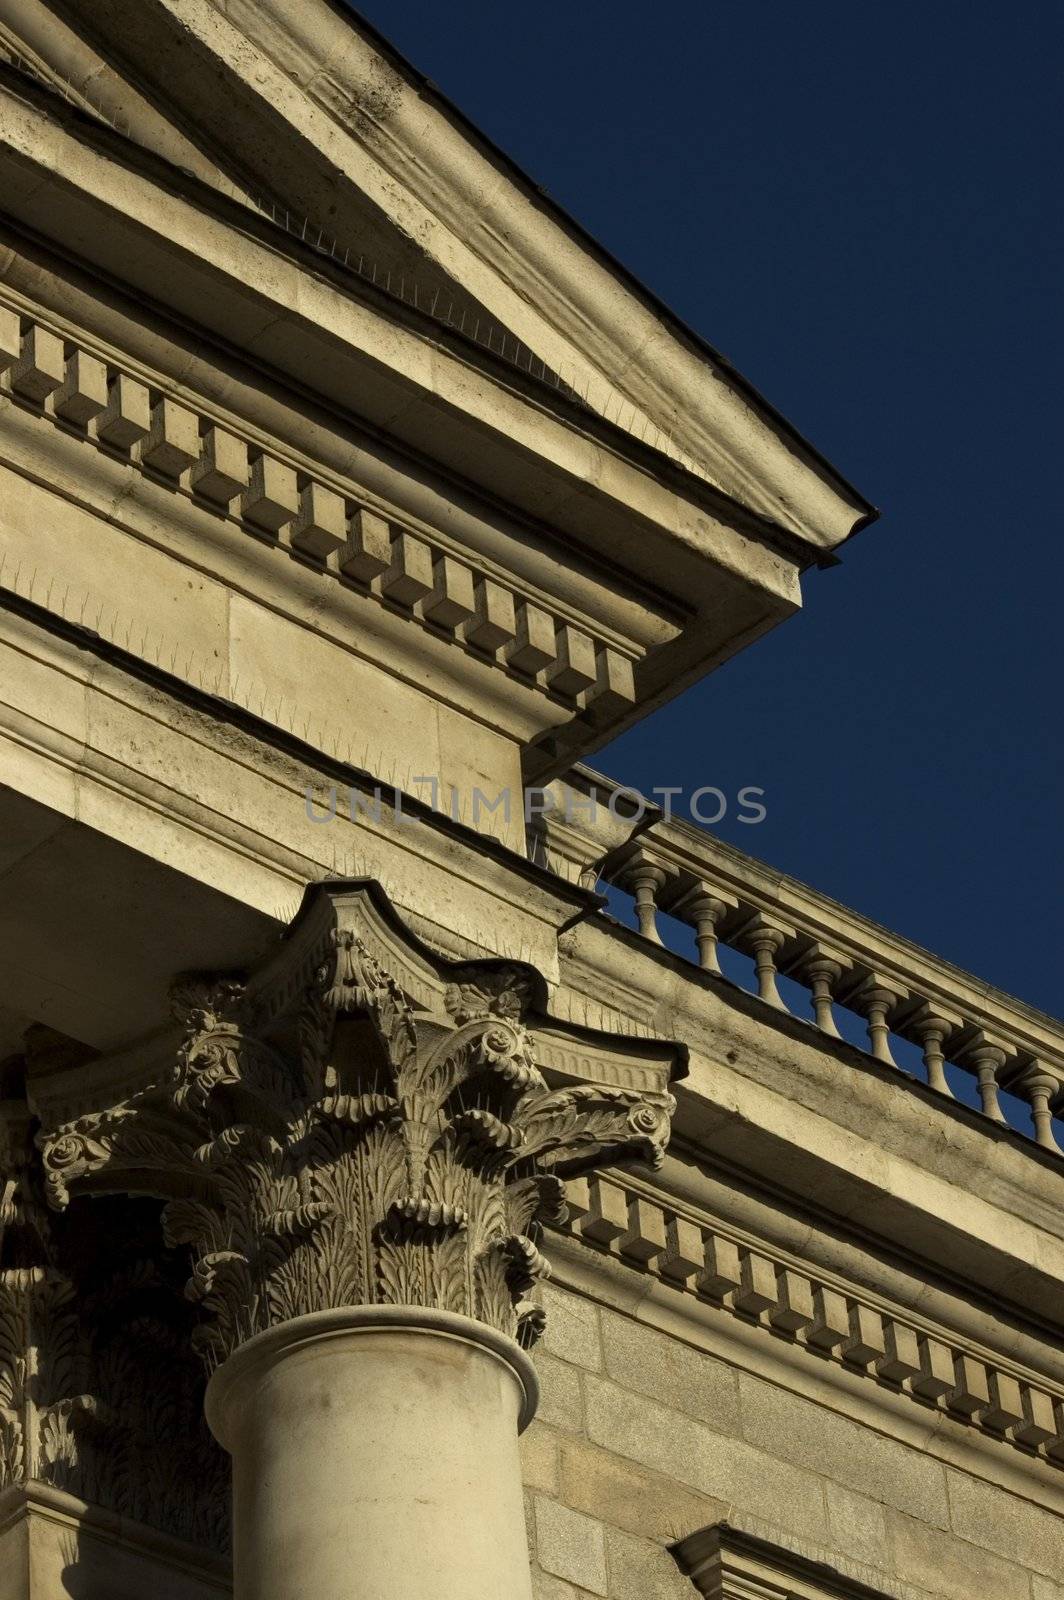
<point>642,1439</point>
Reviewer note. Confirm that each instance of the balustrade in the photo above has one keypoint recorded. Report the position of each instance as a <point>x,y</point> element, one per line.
<point>730,900</point>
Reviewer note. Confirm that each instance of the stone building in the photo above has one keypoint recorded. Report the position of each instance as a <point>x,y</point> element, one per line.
<point>347,490</point>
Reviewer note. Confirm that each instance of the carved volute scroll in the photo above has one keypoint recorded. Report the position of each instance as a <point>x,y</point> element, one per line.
<point>323,1141</point>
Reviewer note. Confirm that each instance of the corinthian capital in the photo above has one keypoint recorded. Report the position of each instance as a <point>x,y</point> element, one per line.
<point>361,1123</point>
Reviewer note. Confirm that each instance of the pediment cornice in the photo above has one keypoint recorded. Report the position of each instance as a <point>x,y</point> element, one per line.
<point>321,118</point>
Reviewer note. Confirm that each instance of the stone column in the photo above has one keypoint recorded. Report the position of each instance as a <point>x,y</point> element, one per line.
<point>375,1455</point>
<point>361,1156</point>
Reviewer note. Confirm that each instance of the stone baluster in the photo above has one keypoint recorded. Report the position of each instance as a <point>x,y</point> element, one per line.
<point>644,880</point>
<point>764,940</point>
<point>875,1000</point>
<point>820,970</point>
<point>704,908</point>
<point>1039,1087</point>
<point>361,1159</point>
<point>822,973</point>
<point>932,1029</point>
<point>986,1060</point>
<point>705,912</point>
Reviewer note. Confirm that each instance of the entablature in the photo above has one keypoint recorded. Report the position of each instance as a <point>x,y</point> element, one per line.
<point>868,1338</point>
<point>659,553</point>
<point>320,115</point>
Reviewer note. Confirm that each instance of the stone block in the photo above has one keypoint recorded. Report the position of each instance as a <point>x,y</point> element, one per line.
<point>794,1301</point>
<point>1006,1403</point>
<point>572,1330</point>
<point>539,1458</point>
<point>409,576</point>
<point>544,1587</point>
<point>561,1402</point>
<point>574,668</point>
<point>629,1496</point>
<point>1015,1529</point>
<point>173,441</point>
<point>127,415</point>
<point>936,1376</point>
<point>222,469</point>
<point>802,1432</point>
<point>857,1527</point>
<point>83,393</point>
<point>40,367</point>
<point>831,1322</point>
<point>614,687</point>
<point>642,1570</point>
<point>866,1342</point>
<point>10,338</point>
<point>368,551</point>
<point>945,1566</point>
<point>653,1364</point>
<point>971,1393</point>
<point>685,1250</point>
<point>494,622</point>
<point>901,1359</point>
<point>534,644</point>
<point>452,600</point>
<point>320,525</point>
<point>757,1283</point>
<point>571,1546</point>
<point>1039,1423</point>
<point>644,1238</point>
<point>271,499</point>
<point>1045,1588</point>
<point>607,1218</point>
<point>716,1465</point>
<point>722,1271</point>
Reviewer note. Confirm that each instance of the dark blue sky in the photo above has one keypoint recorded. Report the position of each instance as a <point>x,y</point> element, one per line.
<point>861,206</point>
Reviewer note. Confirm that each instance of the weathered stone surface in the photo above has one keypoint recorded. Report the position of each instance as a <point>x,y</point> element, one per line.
<point>642,1570</point>
<point>721,1467</point>
<point>546,1587</point>
<point>561,1402</point>
<point>1013,1528</point>
<point>944,1565</point>
<point>573,1328</point>
<point>570,1545</point>
<point>1045,1588</point>
<point>540,1458</point>
<point>796,1430</point>
<point>619,1492</point>
<point>651,1363</point>
<point>857,1527</point>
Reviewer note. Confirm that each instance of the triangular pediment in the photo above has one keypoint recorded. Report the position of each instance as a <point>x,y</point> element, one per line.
<point>310,118</point>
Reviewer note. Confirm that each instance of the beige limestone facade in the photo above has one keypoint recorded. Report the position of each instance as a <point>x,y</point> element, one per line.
<point>380,1217</point>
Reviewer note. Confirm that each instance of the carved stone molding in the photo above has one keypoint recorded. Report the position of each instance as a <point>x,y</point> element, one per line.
<point>745,1560</point>
<point>359,1124</point>
<point>715,1268</point>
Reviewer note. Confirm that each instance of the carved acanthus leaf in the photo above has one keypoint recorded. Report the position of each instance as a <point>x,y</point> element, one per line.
<point>326,1145</point>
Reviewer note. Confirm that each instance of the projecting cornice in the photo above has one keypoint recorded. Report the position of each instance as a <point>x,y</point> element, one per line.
<point>360,1123</point>
<point>323,232</point>
<point>312,103</point>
